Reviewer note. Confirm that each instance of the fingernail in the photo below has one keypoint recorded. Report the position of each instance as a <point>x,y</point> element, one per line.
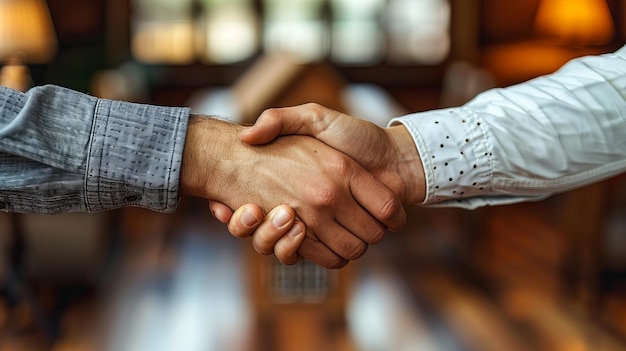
<point>295,231</point>
<point>248,218</point>
<point>280,218</point>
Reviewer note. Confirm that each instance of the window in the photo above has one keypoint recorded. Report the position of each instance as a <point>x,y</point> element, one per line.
<point>418,31</point>
<point>357,31</point>
<point>228,31</point>
<point>348,32</point>
<point>162,31</point>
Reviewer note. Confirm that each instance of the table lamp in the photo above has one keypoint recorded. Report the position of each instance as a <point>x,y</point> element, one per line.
<point>26,36</point>
<point>575,22</point>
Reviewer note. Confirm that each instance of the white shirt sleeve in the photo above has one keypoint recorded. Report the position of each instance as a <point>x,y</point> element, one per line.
<point>528,141</point>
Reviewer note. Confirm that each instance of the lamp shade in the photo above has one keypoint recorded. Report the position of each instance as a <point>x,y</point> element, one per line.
<point>26,30</point>
<point>578,22</point>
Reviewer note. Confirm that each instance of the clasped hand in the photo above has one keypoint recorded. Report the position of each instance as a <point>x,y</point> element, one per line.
<point>355,204</point>
<point>340,207</point>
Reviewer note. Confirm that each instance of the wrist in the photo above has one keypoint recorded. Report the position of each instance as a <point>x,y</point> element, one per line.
<point>408,165</point>
<point>209,148</point>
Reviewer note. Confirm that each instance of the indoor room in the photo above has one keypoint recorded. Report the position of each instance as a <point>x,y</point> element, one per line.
<point>547,274</point>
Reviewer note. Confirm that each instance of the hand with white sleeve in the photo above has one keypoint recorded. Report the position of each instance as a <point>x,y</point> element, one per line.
<point>388,153</point>
<point>342,205</point>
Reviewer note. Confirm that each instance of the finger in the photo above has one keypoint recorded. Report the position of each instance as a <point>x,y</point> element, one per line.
<point>324,228</point>
<point>360,224</point>
<point>220,211</point>
<point>265,129</point>
<point>304,120</point>
<point>286,249</point>
<point>273,227</point>
<point>378,200</point>
<point>342,242</point>
<point>245,220</point>
<point>318,253</point>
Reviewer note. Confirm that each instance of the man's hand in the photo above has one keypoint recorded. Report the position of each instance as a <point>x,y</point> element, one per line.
<point>279,232</point>
<point>342,205</point>
<point>390,154</point>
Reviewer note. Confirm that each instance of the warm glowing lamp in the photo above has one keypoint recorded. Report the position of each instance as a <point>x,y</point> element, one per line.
<point>575,22</point>
<point>26,34</point>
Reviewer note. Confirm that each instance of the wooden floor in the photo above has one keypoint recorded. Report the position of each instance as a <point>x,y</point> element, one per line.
<point>452,281</point>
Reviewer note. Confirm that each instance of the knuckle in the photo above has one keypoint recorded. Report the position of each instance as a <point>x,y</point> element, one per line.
<point>272,111</point>
<point>341,165</point>
<point>283,254</point>
<point>377,235</point>
<point>263,251</point>
<point>348,246</point>
<point>285,258</point>
<point>238,231</point>
<point>263,247</point>
<point>356,251</point>
<point>326,195</point>
<point>313,106</point>
<point>289,262</point>
<point>389,208</point>
<point>316,252</point>
<point>334,263</point>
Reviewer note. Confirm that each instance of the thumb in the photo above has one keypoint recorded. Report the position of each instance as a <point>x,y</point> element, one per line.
<point>304,119</point>
<point>266,128</point>
<point>220,211</point>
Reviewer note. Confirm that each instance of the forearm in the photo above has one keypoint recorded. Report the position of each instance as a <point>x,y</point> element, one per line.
<point>66,151</point>
<point>525,142</point>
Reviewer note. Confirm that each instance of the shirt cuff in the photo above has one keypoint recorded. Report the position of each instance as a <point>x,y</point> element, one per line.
<point>455,154</point>
<point>135,156</point>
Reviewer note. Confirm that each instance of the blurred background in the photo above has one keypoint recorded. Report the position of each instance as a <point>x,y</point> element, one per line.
<point>540,276</point>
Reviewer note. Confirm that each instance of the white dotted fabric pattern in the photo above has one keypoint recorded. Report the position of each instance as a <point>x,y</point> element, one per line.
<point>454,152</point>
<point>527,141</point>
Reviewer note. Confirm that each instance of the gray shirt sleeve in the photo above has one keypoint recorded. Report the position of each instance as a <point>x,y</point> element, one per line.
<point>64,151</point>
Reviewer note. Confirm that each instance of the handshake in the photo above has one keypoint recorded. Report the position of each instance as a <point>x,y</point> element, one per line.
<point>324,190</point>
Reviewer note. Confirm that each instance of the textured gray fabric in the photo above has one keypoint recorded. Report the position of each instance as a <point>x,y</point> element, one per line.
<point>64,151</point>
